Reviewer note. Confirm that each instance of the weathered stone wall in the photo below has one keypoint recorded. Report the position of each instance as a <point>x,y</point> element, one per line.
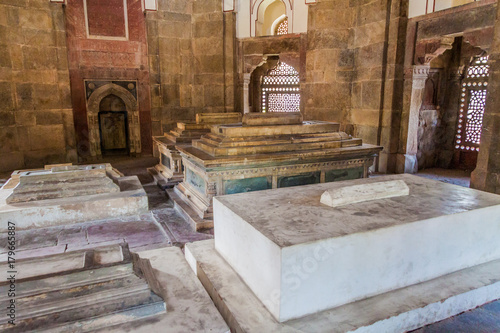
<point>36,121</point>
<point>329,61</point>
<point>378,44</point>
<point>212,58</point>
<point>107,59</point>
<point>355,69</point>
<point>191,53</point>
<point>170,61</point>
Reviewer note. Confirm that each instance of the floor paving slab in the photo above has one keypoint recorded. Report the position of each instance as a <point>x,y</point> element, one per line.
<point>189,308</point>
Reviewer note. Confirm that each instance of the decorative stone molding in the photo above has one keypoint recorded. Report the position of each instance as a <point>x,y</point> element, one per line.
<point>420,74</point>
<point>290,169</point>
<point>132,107</point>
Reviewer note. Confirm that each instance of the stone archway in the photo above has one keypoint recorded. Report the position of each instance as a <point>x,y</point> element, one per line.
<point>132,109</point>
<point>257,9</point>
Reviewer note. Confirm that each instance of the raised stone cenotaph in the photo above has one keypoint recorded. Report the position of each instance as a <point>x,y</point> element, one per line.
<point>388,262</point>
<point>266,151</point>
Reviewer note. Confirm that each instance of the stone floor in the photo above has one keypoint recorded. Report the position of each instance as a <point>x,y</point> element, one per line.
<point>452,176</point>
<point>485,319</point>
<point>160,227</point>
<point>163,227</point>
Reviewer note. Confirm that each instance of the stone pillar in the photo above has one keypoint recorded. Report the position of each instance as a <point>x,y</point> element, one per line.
<point>407,162</point>
<point>246,84</point>
<point>449,114</point>
<point>486,176</point>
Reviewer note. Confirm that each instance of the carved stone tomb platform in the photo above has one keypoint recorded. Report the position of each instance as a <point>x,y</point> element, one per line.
<point>266,151</point>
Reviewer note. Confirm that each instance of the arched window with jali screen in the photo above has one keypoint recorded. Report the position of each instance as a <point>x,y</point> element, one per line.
<point>472,103</point>
<point>280,89</point>
<point>282,27</point>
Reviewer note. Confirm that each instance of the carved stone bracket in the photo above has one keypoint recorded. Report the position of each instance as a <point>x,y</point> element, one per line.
<point>426,51</point>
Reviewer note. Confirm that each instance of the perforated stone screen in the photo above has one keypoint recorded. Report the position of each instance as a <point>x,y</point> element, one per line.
<point>280,89</point>
<point>282,28</point>
<point>472,104</point>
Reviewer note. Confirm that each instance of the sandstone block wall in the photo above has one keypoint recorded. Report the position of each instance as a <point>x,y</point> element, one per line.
<point>329,61</point>
<point>103,59</point>
<point>36,120</point>
<point>354,69</point>
<point>191,58</point>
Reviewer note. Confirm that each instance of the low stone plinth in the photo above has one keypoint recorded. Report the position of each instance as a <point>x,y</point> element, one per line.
<point>272,118</point>
<point>67,195</point>
<point>397,311</point>
<point>300,257</point>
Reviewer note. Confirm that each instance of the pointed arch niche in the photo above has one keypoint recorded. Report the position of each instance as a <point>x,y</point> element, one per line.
<point>267,13</point>
<point>131,117</point>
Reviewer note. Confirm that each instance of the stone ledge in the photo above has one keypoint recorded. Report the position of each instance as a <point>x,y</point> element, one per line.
<point>396,311</point>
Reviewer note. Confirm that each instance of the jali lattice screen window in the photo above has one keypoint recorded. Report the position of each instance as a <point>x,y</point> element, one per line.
<point>472,103</point>
<point>282,28</point>
<point>280,89</point>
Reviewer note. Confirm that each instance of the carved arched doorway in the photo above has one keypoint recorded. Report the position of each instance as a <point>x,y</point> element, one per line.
<point>113,121</point>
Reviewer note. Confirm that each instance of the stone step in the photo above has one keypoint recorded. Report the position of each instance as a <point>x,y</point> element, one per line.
<point>188,213</point>
<point>55,189</point>
<point>28,268</point>
<point>308,127</point>
<point>83,300</point>
<point>83,295</point>
<point>68,281</point>
<point>400,310</point>
<point>66,176</point>
<point>95,313</point>
<point>164,182</point>
<point>263,149</point>
<point>153,307</point>
<point>221,142</point>
<point>49,184</point>
<point>84,188</point>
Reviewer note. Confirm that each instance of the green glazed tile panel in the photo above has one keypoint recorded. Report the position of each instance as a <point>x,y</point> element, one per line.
<point>165,160</point>
<point>233,186</point>
<point>302,179</point>
<point>195,180</point>
<point>343,174</point>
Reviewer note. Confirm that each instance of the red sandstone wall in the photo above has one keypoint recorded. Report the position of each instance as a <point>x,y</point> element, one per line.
<point>105,59</point>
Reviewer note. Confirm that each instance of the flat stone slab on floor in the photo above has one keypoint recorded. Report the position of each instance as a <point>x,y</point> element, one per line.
<point>396,311</point>
<point>138,232</point>
<point>189,307</point>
